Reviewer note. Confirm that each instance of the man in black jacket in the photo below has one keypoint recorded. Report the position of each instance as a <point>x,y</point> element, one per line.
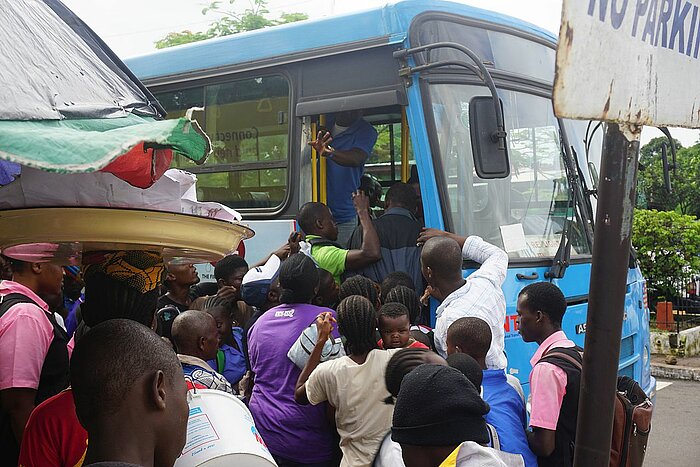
<point>398,230</point>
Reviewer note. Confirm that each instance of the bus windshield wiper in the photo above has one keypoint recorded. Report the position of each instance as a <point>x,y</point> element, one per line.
<point>562,258</point>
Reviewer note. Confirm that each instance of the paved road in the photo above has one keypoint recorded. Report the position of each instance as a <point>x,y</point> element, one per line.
<point>675,433</point>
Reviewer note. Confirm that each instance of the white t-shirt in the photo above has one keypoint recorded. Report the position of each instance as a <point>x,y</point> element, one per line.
<point>357,392</point>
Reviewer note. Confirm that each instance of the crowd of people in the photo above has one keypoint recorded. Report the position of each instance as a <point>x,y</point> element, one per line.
<point>328,344</point>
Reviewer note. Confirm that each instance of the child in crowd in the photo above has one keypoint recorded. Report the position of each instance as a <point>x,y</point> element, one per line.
<point>196,340</point>
<point>394,328</point>
<point>129,395</point>
<point>230,360</point>
<point>353,384</point>
<point>472,336</point>
<point>408,298</point>
<point>405,361</point>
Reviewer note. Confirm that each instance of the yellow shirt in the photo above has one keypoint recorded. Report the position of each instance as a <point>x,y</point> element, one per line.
<point>451,460</point>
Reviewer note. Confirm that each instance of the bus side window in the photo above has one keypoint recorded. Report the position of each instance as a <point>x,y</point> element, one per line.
<point>385,160</point>
<point>247,121</point>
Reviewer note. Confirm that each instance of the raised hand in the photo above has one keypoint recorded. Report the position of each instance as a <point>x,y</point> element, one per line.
<point>324,325</point>
<point>322,144</point>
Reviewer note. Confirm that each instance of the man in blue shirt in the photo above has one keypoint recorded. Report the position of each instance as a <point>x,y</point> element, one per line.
<point>352,141</point>
<point>472,336</point>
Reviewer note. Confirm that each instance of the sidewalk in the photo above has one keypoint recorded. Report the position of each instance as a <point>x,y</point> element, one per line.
<point>687,368</point>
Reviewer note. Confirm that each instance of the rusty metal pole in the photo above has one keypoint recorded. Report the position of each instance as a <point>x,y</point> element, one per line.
<point>611,250</point>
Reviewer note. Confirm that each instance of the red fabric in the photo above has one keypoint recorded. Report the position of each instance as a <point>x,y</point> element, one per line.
<point>136,166</point>
<point>241,250</point>
<point>53,435</point>
<point>414,345</point>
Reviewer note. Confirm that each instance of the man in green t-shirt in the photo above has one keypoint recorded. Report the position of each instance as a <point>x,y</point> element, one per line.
<point>317,222</point>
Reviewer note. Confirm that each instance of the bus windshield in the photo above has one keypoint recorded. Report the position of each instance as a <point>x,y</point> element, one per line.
<point>526,212</point>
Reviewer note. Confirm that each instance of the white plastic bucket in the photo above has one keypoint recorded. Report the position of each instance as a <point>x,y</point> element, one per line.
<point>221,432</point>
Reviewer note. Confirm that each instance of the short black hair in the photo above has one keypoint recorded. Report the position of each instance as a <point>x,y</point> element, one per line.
<point>469,368</point>
<point>17,265</point>
<point>298,279</point>
<point>393,310</point>
<point>402,195</point>
<point>443,255</point>
<point>547,298</point>
<point>227,265</point>
<point>188,327</point>
<point>408,298</point>
<point>394,279</point>
<point>472,335</point>
<point>360,285</point>
<point>400,364</point>
<point>357,322</point>
<point>371,186</point>
<point>309,214</point>
<point>107,361</point>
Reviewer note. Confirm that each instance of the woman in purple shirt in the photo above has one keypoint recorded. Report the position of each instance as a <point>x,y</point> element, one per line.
<point>296,435</point>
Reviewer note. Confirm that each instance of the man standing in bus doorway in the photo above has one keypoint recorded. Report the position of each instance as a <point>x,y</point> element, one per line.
<point>353,139</point>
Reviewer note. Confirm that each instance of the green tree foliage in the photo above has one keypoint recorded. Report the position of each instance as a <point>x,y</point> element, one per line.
<point>231,21</point>
<point>179,38</point>
<point>685,188</point>
<point>668,246</point>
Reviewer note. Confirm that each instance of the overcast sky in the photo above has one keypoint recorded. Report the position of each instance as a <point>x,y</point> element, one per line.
<point>131,27</point>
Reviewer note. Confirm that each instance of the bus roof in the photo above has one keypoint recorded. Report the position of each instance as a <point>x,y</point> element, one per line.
<point>388,23</point>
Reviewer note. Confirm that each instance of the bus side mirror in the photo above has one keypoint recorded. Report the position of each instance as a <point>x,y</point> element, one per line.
<point>488,139</point>
<point>666,168</point>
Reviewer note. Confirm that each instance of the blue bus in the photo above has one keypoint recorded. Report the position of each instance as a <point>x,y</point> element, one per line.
<point>415,68</point>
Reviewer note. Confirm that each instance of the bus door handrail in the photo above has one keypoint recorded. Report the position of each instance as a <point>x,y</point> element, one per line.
<point>314,165</point>
<point>480,70</point>
<point>405,170</point>
<point>322,174</point>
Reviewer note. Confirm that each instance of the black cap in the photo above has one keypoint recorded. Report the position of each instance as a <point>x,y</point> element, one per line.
<point>438,406</point>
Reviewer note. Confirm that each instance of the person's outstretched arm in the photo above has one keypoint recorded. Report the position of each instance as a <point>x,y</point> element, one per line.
<point>494,261</point>
<point>353,157</point>
<point>370,252</point>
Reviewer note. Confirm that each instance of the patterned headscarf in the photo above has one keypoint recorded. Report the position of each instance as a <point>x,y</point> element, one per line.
<point>140,270</point>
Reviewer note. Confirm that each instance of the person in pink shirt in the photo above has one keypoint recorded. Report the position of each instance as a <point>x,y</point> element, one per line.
<point>34,363</point>
<point>555,376</point>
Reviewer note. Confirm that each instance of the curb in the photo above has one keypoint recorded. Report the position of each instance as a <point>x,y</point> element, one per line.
<point>662,370</point>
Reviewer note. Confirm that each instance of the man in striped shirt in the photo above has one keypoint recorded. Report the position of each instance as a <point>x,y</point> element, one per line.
<point>480,295</point>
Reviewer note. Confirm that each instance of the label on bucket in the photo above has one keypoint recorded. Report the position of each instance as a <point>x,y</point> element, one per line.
<point>200,431</point>
<point>258,438</point>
